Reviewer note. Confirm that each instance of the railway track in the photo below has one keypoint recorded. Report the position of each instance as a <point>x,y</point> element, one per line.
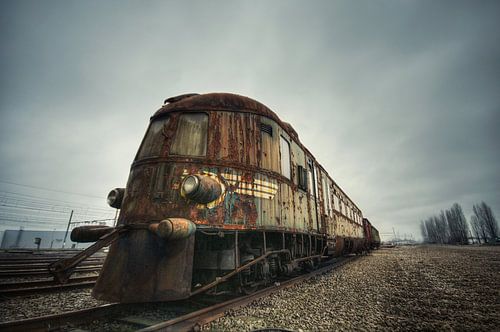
<point>35,264</point>
<point>184,315</point>
<point>44,272</point>
<point>42,286</point>
<point>40,261</point>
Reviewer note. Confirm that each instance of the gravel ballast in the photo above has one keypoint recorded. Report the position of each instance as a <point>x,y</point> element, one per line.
<point>38,305</point>
<point>403,288</point>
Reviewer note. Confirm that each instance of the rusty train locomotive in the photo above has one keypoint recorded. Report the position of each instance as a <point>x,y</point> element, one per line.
<point>221,195</point>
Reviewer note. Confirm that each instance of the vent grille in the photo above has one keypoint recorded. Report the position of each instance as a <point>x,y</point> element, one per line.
<point>266,128</point>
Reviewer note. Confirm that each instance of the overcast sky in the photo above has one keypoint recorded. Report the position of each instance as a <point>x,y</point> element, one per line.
<point>398,100</point>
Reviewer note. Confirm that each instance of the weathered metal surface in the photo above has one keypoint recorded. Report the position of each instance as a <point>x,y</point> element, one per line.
<point>173,228</point>
<point>142,267</point>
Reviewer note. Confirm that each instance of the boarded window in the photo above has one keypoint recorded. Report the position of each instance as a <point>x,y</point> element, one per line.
<point>154,140</point>
<point>285,157</point>
<point>302,173</point>
<point>191,135</point>
<point>336,203</point>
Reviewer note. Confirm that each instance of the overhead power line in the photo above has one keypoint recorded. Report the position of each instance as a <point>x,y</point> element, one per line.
<point>4,193</point>
<point>47,189</point>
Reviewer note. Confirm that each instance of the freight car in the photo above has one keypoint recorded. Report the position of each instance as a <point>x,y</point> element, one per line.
<point>372,237</point>
<point>221,196</point>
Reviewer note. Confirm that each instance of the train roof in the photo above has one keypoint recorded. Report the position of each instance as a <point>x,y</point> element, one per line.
<point>230,102</point>
<point>217,102</point>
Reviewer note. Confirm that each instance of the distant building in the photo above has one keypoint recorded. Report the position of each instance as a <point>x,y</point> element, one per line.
<point>25,239</point>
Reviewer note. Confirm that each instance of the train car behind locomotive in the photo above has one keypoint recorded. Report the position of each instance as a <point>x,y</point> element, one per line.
<point>221,196</point>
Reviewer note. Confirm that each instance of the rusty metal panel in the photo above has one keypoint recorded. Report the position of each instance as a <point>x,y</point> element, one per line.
<point>287,209</point>
<point>165,269</point>
<point>286,206</point>
<point>269,201</point>
<point>234,137</point>
<point>301,211</point>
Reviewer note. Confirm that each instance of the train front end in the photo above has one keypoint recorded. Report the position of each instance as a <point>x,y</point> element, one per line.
<point>153,259</point>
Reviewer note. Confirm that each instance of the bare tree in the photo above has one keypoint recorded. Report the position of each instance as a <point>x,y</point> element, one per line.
<point>435,229</point>
<point>486,219</point>
<point>477,229</point>
<point>431,231</point>
<point>442,228</point>
<point>457,225</point>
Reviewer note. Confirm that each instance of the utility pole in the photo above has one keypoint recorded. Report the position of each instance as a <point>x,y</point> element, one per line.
<point>67,229</point>
<point>116,216</point>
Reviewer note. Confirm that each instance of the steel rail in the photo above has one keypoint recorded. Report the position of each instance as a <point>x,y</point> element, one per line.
<point>195,320</point>
<point>50,322</point>
<point>42,283</point>
<point>45,272</point>
<point>44,286</point>
<point>45,289</point>
<point>37,266</point>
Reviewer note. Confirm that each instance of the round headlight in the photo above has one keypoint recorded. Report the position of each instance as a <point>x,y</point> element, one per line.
<point>115,197</point>
<point>190,185</point>
<point>201,189</point>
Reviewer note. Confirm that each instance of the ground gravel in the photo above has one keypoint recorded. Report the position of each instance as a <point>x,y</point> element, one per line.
<point>46,304</point>
<point>441,288</point>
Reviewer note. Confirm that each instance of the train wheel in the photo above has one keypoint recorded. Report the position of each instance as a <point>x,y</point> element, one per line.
<point>247,282</point>
<point>249,289</point>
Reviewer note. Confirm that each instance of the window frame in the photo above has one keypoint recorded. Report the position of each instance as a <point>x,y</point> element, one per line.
<point>169,121</point>
<point>171,143</point>
<point>283,139</point>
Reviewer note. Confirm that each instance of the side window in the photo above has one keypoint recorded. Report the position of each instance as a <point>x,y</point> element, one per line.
<point>154,140</point>
<point>330,203</point>
<point>310,177</point>
<point>302,173</point>
<point>336,202</point>
<point>191,135</point>
<point>326,195</point>
<point>285,157</point>
<point>310,181</point>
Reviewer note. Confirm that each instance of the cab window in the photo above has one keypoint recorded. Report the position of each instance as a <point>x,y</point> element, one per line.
<point>191,136</point>
<point>154,140</point>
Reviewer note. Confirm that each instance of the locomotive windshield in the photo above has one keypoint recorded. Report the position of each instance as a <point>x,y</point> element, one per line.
<point>154,140</point>
<point>190,137</point>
